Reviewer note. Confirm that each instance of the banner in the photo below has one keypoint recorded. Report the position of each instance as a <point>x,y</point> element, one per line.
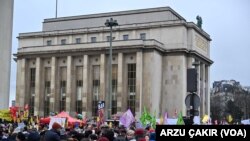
<point>127,118</point>
<point>5,114</point>
<point>61,121</point>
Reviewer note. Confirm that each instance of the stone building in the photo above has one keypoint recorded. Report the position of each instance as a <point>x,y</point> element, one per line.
<point>65,66</point>
<point>6,23</point>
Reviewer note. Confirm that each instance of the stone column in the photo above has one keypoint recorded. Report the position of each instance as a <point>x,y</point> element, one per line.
<point>86,94</point>
<point>53,96</point>
<point>38,93</point>
<point>120,80</point>
<point>198,79</point>
<point>69,83</point>
<point>21,82</point>
<point>207,93</point>
<point>102,77</point>
<point>138,104</point>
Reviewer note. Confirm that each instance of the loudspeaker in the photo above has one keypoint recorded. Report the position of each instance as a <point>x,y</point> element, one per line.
<point>191,80</point>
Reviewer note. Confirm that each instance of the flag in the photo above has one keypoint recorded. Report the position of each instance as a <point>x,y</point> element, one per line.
<point>180,120</point>
<point>110,125</point>
<point>205,119</point>
<point>229,118</point>
<point>153,121</point>
<point>145,117</point>
<point>166,118</point>
<point>161,120</point>
<point>215,122</point>
<point>127,118</point>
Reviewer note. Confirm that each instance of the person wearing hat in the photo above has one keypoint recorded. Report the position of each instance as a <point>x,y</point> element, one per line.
<point>139,133</point>
<point>54,133</point>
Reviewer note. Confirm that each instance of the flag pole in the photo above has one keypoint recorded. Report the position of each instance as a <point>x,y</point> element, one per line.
<point>56,8</point>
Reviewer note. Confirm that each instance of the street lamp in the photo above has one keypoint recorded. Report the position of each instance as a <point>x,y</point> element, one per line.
<point>110,23</point>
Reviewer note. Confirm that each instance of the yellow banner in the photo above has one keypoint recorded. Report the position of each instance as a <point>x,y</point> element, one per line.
<point>5,114</point>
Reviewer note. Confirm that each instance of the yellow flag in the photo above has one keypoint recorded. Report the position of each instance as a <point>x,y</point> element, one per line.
<point>229,118</point>
<point>161,120</point>
<point>110,124</point>
<point>205,119</point>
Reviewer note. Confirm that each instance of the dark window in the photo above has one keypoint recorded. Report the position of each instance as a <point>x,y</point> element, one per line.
<point>63,41</point>
<point>143,36</point>
<point>132,87</point>
<point>63,82</point>
<point>114,88</point>
<point>125,37</point>
<point>79,88</point>
<point>32,90</point>
<point>78,40</point>
<point>96,89</point>
<point>108,38</point>
<point>49,42</point>
<point>93,39</point>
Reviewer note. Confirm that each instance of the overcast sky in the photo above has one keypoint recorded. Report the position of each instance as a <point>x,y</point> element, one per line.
<point>226,21</point>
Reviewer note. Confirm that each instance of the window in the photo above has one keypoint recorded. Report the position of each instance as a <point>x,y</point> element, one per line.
<point>63,41</point>
<point>32,90</point>
<point>143,36</point>
<point>79,87</point>
<point>78,40</point>
<point>131,87</point>
<point>49,42</point>
<point>47,90</point>
<point>93,39</point>
<point>96,89</point>
<point>108,38</point>
<point>125,37</point>
<point>114,89</point>
<point>63,82</point>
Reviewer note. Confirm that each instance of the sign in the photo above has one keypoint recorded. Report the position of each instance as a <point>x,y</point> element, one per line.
<point>101,105</point>
<point>61,121</point>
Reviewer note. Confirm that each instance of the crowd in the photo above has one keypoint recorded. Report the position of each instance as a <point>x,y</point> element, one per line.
<point>89,132</point>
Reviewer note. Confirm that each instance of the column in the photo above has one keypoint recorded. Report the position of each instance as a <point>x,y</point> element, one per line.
<point>207,93</point>
<point>102,77</point>
<point>69,83</point>
<point>198,77</point>
<point>38,93</point>
<point>21,81</point>
<point>138,109</point>
<point>85,107</point>
<point>120,80</point>
<point>53,95</point>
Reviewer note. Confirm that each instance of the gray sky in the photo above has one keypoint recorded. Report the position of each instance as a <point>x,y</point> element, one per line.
<point>227,22</point>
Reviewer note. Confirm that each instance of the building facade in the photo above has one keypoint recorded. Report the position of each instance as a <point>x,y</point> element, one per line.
<point>66,64</point>
<point>6,23</point>
<point>229,97</point>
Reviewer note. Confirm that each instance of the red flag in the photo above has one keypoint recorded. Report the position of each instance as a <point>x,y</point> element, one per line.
<point>26,107</point>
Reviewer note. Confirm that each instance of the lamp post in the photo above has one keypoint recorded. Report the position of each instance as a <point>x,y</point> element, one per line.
<point>110,23</point>
<point>192,110</point>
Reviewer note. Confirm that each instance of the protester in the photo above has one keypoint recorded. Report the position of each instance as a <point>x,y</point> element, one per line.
<point>20,137</point>
<point>54,133</point>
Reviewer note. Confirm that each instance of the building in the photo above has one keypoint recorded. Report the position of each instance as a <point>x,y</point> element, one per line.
<point>228,97</point>
<point>6,23</point>
<point>66,64</point>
